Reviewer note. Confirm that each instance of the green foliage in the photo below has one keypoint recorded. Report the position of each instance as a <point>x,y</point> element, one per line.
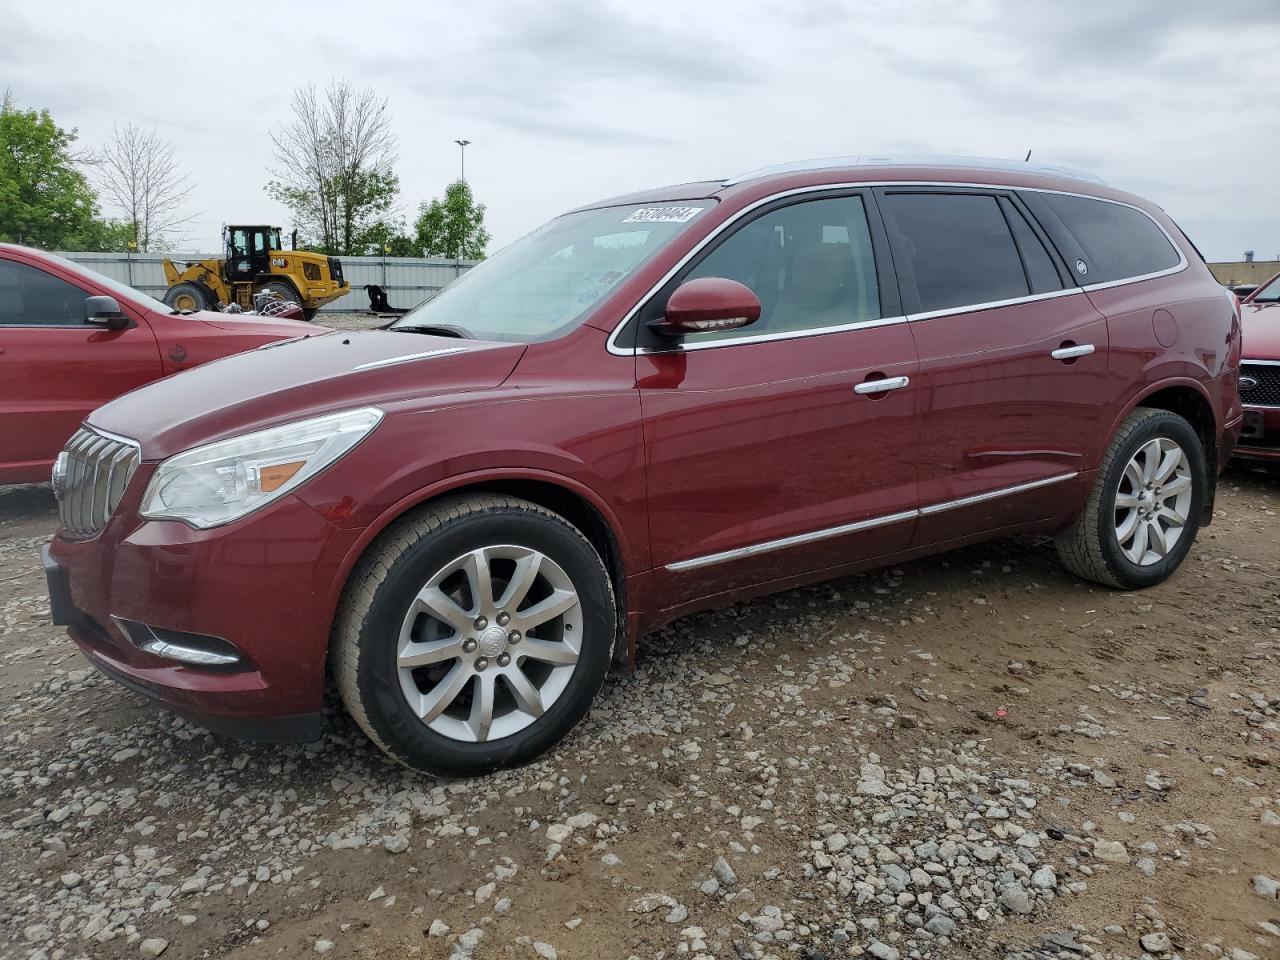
<point>45,201</point>
<point>452,227</point>
<point>374,241</point>
<point>343,212</point>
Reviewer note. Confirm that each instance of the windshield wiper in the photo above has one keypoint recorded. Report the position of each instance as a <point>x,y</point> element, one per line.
<point>431,329</point>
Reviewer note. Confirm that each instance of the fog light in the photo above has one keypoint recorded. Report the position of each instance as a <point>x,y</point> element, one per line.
<point>194,648</point>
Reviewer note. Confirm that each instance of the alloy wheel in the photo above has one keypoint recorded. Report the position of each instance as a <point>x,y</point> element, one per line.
<point>1153,501</point>
<point>489,643</point>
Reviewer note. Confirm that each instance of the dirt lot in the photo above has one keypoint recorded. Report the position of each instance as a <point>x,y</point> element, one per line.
<point>970,756</point>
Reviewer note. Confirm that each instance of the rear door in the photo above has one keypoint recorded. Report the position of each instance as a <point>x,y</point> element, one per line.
<point>55,368</point>
<point>1013,359</point>
<point>788,446</point>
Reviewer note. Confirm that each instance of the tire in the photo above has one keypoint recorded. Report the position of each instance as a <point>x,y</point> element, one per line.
<point>309,314</point>
<point>1100,546</point>
<point>281,291</point>
<point>428,713</point>
<point>189,295</point>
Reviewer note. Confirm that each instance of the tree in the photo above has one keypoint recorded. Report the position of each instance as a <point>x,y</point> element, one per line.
<point>452,227</point>
<point>383,234</point>
<point>334,165</point>
<point>142,180</point>
<point>45,201</point>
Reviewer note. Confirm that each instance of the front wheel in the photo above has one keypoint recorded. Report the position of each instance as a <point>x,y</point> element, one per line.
<point>1145,507</point>
<point>474,635</point>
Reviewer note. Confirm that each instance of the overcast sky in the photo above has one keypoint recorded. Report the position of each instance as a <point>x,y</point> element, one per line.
<point>568,101</point>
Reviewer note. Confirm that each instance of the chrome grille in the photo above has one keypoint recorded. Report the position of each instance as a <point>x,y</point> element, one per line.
<point>96,470</point>
<point>1263,389</point>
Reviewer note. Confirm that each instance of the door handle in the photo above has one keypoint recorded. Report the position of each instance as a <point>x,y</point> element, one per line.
<point>1070,353</point>
<point>883,385</point>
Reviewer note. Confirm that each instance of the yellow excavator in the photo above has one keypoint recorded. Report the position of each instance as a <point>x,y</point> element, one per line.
<point>255,262</point>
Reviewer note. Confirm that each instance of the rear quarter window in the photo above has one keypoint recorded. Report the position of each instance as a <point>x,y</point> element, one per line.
<point>1121,242</point>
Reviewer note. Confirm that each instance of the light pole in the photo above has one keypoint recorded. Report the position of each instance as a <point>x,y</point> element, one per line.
<point>462,145</point>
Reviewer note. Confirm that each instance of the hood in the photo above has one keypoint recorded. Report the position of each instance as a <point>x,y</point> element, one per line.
<point>252,323</point>
<point>1260,325</point>
<point>295,379</point>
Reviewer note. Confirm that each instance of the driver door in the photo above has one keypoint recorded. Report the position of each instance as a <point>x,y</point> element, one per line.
<point>55,368</point>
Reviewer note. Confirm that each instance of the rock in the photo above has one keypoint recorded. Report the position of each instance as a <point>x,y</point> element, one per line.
<point>438,928</point>
<point>882,951</point>
<point>1110,851</point>
<point>1045,878</point>
<point>677,914</point>
<point>1146,866</point>
<point>71,880</point>
<point>580,821</point>
<point>941,926</point>
<point>651,902</point>
<point>1156,943</point>
<point>323,946</point>
<point>544,950</point>
<point>1014,899</point>
<point>153,947</point>
<point>559,832</point>
<point>723,872</point>
<point>1104,780</point>
<point>1265,886</point>
<point>398,843</point>
<point>1270,818</point>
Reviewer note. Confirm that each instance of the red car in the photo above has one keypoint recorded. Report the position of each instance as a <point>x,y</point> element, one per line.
<point>652,405</point>
<point>1260,374</point>
<point>72,339</point>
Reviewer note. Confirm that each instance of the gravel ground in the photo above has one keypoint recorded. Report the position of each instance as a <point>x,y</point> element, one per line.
<point>973,755</point>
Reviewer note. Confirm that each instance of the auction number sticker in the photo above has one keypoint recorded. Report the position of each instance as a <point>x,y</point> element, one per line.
<point>664,215</point>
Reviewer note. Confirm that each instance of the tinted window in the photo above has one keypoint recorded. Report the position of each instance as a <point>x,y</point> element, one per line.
<point>811,264</point>
<point>1119,241</point>
<point>31,297</point>
<point>957,247</point>
<point>1041,275</point>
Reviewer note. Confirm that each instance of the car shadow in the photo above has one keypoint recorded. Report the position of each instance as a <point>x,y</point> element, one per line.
<point>27,502</point>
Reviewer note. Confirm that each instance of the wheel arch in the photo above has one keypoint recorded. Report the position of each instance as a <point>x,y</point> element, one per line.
<point>1190,400</point>
<point>577,503</point>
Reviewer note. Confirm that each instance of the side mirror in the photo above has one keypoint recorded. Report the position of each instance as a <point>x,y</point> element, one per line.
<point>1244,290</point>
<point>105,312</point>
<point>707,304</point>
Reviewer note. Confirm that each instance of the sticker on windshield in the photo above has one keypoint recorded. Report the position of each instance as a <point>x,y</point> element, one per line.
<point>664,215</point>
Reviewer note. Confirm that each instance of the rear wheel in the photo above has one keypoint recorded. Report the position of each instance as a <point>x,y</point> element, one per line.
<point>474,635</point>
<point>188,296</point>
<point>1145,507</point>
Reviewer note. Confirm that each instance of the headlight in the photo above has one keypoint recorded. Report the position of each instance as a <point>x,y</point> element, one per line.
<point>224,481</point>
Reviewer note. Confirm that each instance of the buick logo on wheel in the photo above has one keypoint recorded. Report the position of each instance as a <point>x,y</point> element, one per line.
<point>1248,383</point>
<point>59,478</point>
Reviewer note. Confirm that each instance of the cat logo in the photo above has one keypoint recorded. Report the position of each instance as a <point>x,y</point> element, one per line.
<point>280,262</point>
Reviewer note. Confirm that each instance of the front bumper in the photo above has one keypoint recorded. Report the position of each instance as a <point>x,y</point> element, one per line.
<point>1260,435</point>
<point>263,584</point>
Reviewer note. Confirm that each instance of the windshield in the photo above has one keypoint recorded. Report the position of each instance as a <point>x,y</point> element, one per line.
<point>1269,292</point>
<point>117,288</point>
<point>546,283</point>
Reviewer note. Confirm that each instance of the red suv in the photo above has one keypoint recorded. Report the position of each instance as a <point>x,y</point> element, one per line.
<point>1260,374</point>
<point>652,405</point>
<point>72,339</point>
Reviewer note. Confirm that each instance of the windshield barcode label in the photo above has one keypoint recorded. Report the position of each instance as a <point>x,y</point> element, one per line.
<point>664,215</point>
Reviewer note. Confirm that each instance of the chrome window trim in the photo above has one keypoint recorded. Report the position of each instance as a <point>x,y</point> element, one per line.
<point>612,344</point>
<point>768,546</point>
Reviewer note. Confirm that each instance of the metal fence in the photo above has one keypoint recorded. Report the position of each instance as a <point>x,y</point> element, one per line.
<point>407,281</point>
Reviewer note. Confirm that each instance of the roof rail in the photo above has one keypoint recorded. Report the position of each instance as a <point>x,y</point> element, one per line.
<point>918,160</point>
